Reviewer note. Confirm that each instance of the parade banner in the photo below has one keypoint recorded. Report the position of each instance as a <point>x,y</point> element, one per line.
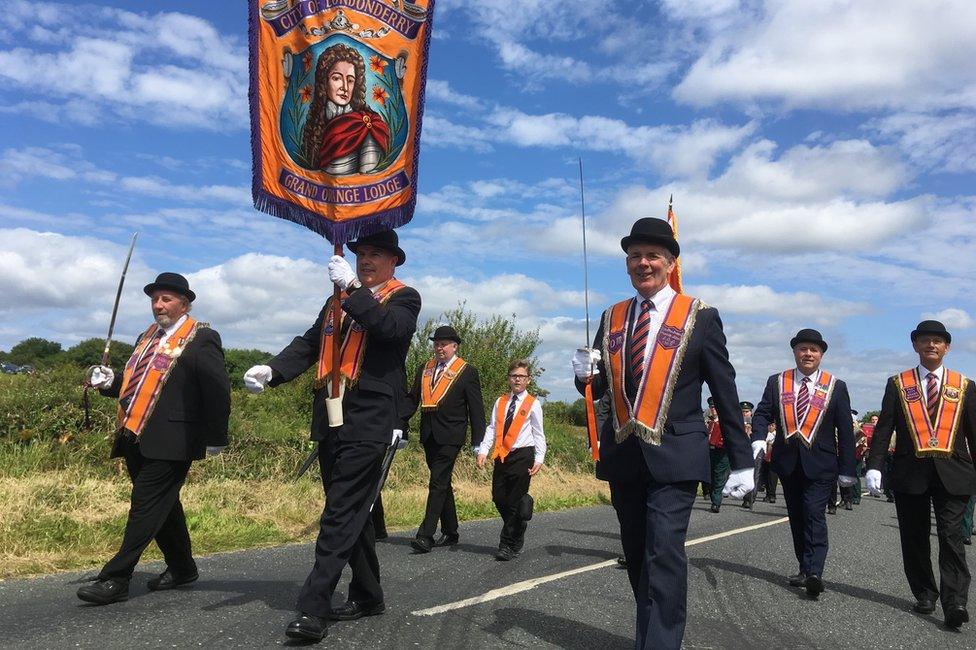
<point>336,99</point>
<point>674,278</point>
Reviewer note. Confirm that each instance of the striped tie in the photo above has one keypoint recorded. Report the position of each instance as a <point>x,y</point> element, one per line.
<point>802,400</point>
<point>142,366</point>
<point>510,416</point>
<point>638,341</point>
<point>437,375</point>
<point>932,393</point>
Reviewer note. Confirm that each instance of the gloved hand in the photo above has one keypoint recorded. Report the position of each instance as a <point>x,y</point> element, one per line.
<point>846,481</point>
<point>585,362</point>
<point>873,480</point>
<point>100,377</point>
<point>213,451</point>
<point>758,448</point>
<point>256,378</point>
<point>340,272</point>
<point>740,483</point>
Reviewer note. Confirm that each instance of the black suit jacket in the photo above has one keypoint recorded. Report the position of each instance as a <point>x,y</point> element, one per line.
<point>683,453</point>
<point>375,405</point>
<point>832,452</point>
<point>193,408</point>
<point>914,475</point>
<point>461,405</point>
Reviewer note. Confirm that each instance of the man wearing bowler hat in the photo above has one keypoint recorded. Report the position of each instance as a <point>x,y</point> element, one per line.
<point>378,319</point>
<point>447,389</point>
<point>174,404</point>
<point>929,409</point>
<point>651,354</point>
<point>813,449</point>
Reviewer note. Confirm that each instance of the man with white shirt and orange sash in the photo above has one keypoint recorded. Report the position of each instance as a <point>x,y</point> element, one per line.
<point>929,409</point>
<point>447,389</point>
<point>519,443</point>
<point>812,451</point>
<point>652,353</point>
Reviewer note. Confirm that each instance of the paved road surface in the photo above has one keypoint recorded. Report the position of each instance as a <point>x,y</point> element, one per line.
<point>738,596</point>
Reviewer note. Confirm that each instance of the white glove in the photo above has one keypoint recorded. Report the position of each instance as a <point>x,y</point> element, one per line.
<point>758,448</point>
<point>256,378</point>
<point>100,377</point>
<point>846,481</point>
<point>740,483</point>
<point>873,479</point>
<point>340,272</point>
<point>213,451</point>
<point>397,435</point>
<point>585,362</point>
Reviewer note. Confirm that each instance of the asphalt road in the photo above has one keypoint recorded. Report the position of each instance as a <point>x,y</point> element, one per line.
<point>738,596</point>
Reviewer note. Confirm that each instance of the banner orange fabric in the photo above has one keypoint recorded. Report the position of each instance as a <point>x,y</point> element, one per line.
<point>430,397</point>
<point>336,98</point>
<point>932,438</point>
<point>807,430</point>
<point>503,443</point>
<point>674,278</point>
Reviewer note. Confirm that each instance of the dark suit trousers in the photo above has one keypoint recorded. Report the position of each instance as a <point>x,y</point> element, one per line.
<point>155,512</point>
<point>440,492</point>
<point>509,485</point>
<point>806,503</point>
<point>653,526</point>
<point>350,473</point>
<point>914,528</point>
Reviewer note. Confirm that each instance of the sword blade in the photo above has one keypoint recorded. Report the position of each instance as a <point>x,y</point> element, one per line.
<point>118,298</point>
<point>308,461</point>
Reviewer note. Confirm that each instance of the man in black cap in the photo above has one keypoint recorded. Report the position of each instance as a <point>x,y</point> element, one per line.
<point>814,444</point>
<point>174,405</point>
<point>379,317</point>
<point>750,499</point>
<point>929,409</point>
<point>652,353</point>
<point>447,389</point>
<point>717,458</point>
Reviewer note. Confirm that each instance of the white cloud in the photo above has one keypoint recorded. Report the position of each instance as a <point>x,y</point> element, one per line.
<point>764,300</point>
<point>952,317</point>
<point>441,91</point>
<point>937,142</point>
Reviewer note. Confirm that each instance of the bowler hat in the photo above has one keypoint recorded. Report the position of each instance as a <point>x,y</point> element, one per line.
<point>171,282</point>
<point>711,401</point>
<point>652,231</point>
<point>808,335</point>
<point>931,327</point>
<point>387,240</point>
<point>446,333</point>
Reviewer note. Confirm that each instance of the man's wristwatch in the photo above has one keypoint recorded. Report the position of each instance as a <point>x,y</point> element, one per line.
<point>354,285</point>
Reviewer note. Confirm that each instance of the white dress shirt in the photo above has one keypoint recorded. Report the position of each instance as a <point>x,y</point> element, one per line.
<point>798,379</point>
<point>660,303</point>
<point>923,373</point>
<point>531,435</point>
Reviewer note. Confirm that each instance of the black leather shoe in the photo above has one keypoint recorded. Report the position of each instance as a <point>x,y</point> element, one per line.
<point>815,586</point>
<point>351,610</point>
<point>622,561</point>
<point>525,507</point>
<point>747,505</point>
<point>422,544</point>
<point>447,540</point>
<point>968,541</point>
<point>715,508</point>
<point>506,553</point>
<point>307,628</point>
<point>924,606</point>
<point>848,505</point>
<point>831,509</point>
<point>105,592</point>
<point>168,580</point>
<point>798,580</point>
<point>955,616</point>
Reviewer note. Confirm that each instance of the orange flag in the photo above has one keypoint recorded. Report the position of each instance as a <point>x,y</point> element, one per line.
<point>675,278</point>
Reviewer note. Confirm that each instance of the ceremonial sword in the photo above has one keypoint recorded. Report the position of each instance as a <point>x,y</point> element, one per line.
<point>111,329</point>
<point>588,403</point>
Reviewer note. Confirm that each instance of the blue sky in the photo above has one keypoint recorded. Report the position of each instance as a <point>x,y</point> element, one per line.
<point>821,156</point>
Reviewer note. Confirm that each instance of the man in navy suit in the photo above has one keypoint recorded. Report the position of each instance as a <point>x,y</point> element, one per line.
<point>651,354</point>
<point>814,443</point>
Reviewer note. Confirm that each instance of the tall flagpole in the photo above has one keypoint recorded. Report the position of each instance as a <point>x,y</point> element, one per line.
<point>588,392</point>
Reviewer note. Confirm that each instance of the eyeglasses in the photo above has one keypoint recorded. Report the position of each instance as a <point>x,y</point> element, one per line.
<point>518,376</point>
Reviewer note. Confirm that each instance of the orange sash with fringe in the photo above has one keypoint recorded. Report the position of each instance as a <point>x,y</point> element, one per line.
<point>647,417</point>
<point>503,443</point>
<point>430,397</point>
<point>819,398</point>
<point>932,438</point>
<point>163,361</point>
<point>353,346</point>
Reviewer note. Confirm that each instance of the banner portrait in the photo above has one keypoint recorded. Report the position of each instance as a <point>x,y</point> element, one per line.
<point>336,100</point>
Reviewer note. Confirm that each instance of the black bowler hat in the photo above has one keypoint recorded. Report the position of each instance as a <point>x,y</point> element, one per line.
<point>931,327</point>
<point>746,406</point>
<point>711,401</point>
<point>171,282</point>
<point>446,333</point>
<point>808,335</point>
<point>652,231</point>
<point>387,240</point>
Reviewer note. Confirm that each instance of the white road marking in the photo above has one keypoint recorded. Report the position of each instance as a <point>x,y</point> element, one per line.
<point>525,585</point>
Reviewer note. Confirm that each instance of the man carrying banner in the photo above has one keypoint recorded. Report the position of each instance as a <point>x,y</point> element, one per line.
<point>814,441</point>
<point>379,317</point>
<point>174,405</point>
<point>929,409</point>
<point>448,391</point>
<point>652,353</point>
